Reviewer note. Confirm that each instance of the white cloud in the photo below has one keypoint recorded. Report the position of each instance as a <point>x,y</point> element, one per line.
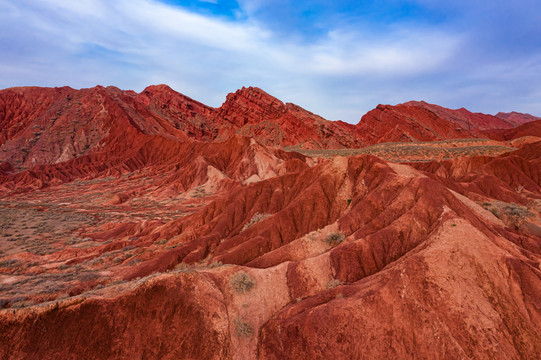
<point>132,44</point>
<point>399,53</point>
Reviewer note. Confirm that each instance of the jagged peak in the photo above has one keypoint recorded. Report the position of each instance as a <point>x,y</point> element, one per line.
<point>419,103</point>
<point>157,88</point>
<point>502,114</point>
<point>253,94</point>
<point>36,89</point>
<point>253,90</point>
<point>166,93</point>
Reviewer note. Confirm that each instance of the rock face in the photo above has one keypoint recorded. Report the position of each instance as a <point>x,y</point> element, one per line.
<point>517,118</point>
<point>530,129</point>
<point>420,121</point>
<point>46,126</point>
<point>162,232</point>
<point>252,112</point>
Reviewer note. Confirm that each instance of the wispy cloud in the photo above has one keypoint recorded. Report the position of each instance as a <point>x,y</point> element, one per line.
<point>341,73</point>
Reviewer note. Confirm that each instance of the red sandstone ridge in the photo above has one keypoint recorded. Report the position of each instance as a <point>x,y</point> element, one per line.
<point>466,119</point>
<point>353,257</point>
<point>517,118</point>
<point>420,121</point>
<point>153,226</point>
<point>186,114</point>
<point>45,125</point>
<point>529,129</point>
<point>252,112</point>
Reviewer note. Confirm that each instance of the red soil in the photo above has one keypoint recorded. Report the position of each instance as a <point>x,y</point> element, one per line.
<point>150,237</point>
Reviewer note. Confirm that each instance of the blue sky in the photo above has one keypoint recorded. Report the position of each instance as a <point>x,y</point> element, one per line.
<point>335,58</point>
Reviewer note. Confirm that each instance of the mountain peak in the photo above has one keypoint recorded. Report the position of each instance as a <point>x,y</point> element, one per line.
<point>253,95</point>
<point>250,104</point>
<point>252,90</point>
<point>517,118</point>
<point>160,88</point>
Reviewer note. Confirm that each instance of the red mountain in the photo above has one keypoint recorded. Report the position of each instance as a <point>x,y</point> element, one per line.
<point>529,129</point>
<point>252,112</point>
<point>46,125</point>
<point>517,118</point>
<point>148,226</point>
<point>420,121</point>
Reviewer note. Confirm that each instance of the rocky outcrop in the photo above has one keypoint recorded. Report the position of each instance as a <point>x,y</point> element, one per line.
<point>420,121</point>
<point>517,118</point>
<point>152,226</point>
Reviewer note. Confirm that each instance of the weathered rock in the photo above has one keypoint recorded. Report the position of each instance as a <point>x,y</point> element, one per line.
<point>152,226</point>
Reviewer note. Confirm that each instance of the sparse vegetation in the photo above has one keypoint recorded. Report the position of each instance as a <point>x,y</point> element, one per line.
<point>334,238</point>
<point>517,211</point>
<point>215,264</point>
<point>241,282</point>
<point>511,210</point>
<point>242,328</point>
<point>334,283</point>
<point>418,151</point>
<point>182,267</point>
<point>10,263</point>
<point>254,220</point>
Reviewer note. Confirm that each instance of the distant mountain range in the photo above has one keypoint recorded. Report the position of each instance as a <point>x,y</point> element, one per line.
<point>52,125</point>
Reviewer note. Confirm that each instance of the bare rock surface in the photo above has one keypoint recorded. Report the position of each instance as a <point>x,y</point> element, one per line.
<point>153,226</point>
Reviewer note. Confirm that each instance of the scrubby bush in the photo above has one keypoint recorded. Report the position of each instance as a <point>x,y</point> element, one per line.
<point>241,282</point>
<point>517,211</point>
<point>334,283</point>
<point>335,238</point>
<point>242,328</point>
<point>215,264</point>
<point>254,220</point>
<point>10,263</point>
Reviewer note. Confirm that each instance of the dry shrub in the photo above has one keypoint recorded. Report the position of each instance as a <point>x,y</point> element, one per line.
<point>10,263</point>
<point>242,328</point>
<point>241,282</point>
<point>215,264</point>
<point>335,238</point>
<point>334,283</point>
<point>254,220</point>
